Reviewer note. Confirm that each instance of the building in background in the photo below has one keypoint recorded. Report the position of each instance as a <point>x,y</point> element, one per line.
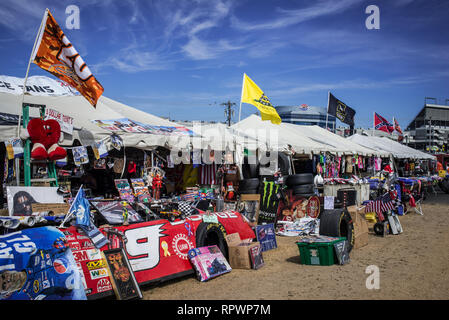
<point>306,115</point>
<point>429,130</point>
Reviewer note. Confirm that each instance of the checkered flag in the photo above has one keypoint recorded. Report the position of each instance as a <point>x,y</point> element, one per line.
<point>185,208</point>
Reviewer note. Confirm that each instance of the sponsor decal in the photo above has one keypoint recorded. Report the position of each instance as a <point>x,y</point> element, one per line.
<point>98,273</point>
<point>104,285</point>
<point>36,286</point>
<point>97,264</point>
<point>60,266</point>
<point>181,245</point>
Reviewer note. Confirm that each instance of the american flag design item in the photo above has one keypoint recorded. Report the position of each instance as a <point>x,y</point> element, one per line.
<point>388,201</point>
<point>207,174</point>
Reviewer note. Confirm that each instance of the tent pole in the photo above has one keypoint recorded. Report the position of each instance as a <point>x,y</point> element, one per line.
<point>28,68</point>
<point>243,85</point>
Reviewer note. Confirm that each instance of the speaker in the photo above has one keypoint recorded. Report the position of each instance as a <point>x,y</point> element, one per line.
<point>347,196</point>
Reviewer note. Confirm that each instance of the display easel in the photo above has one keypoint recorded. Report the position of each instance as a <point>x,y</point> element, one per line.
<point>51,169</point>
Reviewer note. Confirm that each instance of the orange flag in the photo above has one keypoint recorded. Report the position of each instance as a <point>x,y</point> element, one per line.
<point>55,54</point>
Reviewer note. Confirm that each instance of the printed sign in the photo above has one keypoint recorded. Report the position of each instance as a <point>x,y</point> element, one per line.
<point>266,236</point>
<point>65,122</point>
<point>269,203</point>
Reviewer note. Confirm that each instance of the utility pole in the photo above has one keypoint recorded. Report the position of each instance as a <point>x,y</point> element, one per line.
<point>228,111</point>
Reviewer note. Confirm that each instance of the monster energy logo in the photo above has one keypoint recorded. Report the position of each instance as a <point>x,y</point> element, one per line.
<point>270,185</point>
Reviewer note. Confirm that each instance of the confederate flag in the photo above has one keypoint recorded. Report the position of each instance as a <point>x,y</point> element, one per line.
<point>380,123</point>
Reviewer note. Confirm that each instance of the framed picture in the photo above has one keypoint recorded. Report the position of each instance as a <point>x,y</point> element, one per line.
<point>248,206</point>
<point>121,275</point>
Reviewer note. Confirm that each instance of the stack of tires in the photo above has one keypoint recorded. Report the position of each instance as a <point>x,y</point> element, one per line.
<point>249,186</point>
<point>301,184</point>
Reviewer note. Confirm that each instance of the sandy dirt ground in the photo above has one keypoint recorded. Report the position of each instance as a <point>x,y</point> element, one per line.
<point>412,265</point>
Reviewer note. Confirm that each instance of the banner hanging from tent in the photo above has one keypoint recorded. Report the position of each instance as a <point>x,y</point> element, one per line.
<point>127,125</point>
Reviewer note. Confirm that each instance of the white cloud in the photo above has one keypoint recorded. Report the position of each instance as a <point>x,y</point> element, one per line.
<point>288,18</point>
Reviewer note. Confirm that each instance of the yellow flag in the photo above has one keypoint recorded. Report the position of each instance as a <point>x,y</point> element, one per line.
<point>252,94</point>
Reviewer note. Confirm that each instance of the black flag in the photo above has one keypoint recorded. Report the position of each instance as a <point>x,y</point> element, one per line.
<point>340,110</point>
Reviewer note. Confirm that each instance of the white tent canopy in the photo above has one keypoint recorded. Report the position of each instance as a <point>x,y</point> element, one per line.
<point>279,137</point>
<point>303,139</point>
<point>83,113</point>
<point>342,145</point>
<point>398,150</point>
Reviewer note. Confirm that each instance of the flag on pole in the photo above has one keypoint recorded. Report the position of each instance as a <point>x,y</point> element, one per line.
<point>56,54</point>
<point>380,123</point>
<point>396,126</point>
<point>81,209</point>
<point>252,94</point>
<point>340,110</point>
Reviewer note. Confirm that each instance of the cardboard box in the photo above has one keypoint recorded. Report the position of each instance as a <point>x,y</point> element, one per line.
<point>360,226</point>
<point>239,251</point>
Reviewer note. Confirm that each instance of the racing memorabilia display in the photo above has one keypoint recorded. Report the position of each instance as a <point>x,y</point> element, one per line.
<point>157,250</point>
<point>124,189</point>
<point>248,206</point>
<point>112,212</point>
<point>141,191</point>
<point>121,275</point>
<point>266,236</point>
<point>20,199</point>
<point>80,155</point>
<point>208,262</point>
<point>37,264</point>
<point>256,256</point>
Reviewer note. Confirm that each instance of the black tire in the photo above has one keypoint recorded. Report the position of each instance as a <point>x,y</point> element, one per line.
<point>208,234</point>
<point>252,183</point>
<point>249,191</point>
<point>378,228</point>
<point>299,179</point>
<point>337,223</point>
<point>249,171</point>
<point>303,189</point>
<point>284,163</point>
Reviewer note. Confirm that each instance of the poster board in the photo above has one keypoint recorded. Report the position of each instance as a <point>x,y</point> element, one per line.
<point>256,256</point>
<point>21,199</point>
<point>266,236</point>
<point>342,252</point>
<point>248,207</point>
<point>269,202</point>
<point>122,278</point>
<point>208,262</point>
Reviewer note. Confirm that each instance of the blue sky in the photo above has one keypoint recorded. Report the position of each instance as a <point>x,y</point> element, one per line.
<point>184,58</point>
